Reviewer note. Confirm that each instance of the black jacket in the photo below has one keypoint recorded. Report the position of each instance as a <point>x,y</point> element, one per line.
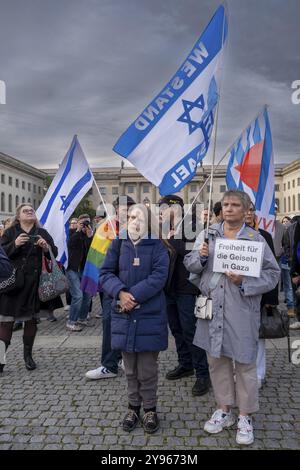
<point>295,265</point>
<point>26,302</point>
<point>271,297</point>
<point>78,246</point>
<point>178,282</point>
<point>5,265</point>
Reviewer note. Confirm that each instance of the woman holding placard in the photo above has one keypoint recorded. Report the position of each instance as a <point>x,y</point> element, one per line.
<point>231,332</point>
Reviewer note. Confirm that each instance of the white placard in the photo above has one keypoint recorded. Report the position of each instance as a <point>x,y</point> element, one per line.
<point>238,256</point>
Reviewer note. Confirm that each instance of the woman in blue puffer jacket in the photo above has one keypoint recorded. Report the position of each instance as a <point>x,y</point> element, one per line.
<point>134,273</point>
<point>5,266</point>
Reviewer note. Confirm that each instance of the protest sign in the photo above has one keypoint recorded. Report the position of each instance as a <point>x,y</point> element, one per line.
<point>238,256</point>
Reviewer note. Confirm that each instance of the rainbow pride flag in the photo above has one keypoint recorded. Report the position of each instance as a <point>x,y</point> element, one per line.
<point>97,252</point>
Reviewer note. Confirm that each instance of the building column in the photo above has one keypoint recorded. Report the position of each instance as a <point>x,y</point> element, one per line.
<point>138,193</point>
<point>186,194</point>
<point>201,195</point>
<point>122,189</point>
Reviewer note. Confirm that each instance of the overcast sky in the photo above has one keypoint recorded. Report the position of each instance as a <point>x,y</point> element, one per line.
<point>91,66</point>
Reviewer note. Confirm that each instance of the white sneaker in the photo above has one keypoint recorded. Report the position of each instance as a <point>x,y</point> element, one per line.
<point>100,373</point>
<point>259,383</point>
<point>219,421</point>
<point>73,327</point>
<point>295,325</point>
<point>2,352</point>
<point>67,308</point>
<point>83,322</point>
<point>121,365</point>
<point>244,433</point>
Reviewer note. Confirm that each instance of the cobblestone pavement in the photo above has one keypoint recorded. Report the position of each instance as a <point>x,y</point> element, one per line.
<point>54,407</point>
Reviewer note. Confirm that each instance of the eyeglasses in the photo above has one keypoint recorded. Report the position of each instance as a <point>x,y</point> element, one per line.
<point>28,211</point>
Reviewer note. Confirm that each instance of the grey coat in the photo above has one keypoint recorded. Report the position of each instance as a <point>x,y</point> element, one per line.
<point>233,331</point>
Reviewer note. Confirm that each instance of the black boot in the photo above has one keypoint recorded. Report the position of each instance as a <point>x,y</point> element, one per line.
<point>201,386</point>
<point>28,343</point>
<point>179,372</point>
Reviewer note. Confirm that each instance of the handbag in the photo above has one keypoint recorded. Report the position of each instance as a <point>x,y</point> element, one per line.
<point>16,280</point>
<point>52,281</point>
<point>204,305</point>
<point>274,322</point>
<point>203,308</point>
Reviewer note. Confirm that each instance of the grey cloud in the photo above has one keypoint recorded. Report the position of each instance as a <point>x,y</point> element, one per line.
<point>91,66</point>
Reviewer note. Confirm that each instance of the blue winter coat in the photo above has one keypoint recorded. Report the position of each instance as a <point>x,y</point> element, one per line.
<point>5,265</point>
<point>144,328</point>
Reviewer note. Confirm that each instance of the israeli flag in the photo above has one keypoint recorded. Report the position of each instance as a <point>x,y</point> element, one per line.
<point>251,169</point>
<point>172,135</point>
<point>70,184</point>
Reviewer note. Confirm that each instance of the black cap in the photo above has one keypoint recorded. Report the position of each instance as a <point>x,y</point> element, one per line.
<point>129,201</point>
<point>171,200</point>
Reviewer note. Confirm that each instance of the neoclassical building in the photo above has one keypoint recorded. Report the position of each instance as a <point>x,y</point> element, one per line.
<point>19,183</point>
<point>113,182</point>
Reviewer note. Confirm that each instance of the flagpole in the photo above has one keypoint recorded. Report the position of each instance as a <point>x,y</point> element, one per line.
<point>217,165</point>
<point>105,207</point>
<point>215,138</point>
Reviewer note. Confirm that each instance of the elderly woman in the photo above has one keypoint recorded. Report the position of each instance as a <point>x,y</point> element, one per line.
<point>24,243</point>
<point>232,333</point>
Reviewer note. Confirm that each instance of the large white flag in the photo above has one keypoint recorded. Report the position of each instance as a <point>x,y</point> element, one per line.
<point>72,181</point>
<point>172,135</point>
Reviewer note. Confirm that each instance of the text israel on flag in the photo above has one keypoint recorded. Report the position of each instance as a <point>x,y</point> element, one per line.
<point>172,135</point>
<point>70,184</point>
<point>251,169</point>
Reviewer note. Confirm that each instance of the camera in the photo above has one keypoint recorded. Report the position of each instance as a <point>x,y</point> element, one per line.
<point>34,238</point>
<point>86,223</point>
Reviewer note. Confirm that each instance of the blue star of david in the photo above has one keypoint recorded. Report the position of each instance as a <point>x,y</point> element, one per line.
<point>63,206</point>
<point>186,117</point>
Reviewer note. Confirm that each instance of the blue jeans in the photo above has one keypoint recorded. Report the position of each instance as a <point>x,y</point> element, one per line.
<point>182,323</point>
<point>80,302</point>
<point>287,285</point>
<point>109,358</point>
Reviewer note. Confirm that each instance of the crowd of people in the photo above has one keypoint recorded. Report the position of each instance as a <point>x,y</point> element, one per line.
<point>150,279</point>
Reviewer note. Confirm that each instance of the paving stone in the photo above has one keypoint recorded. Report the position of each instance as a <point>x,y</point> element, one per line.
<point>56,408</point>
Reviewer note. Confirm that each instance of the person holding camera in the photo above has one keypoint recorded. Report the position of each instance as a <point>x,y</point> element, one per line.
<point>78,247</point>
<point>24,243</point>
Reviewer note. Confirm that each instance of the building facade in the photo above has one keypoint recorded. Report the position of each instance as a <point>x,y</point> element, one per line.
<point>19,183</point>
<point>290,186</point>
<point>114,182</point>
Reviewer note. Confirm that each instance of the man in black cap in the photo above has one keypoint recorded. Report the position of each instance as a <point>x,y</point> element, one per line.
<point>110,358</point>
<point>217,210</point>
<point>181,297</point>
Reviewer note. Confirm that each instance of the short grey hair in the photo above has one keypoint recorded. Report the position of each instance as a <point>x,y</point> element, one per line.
<point>241,195</point>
